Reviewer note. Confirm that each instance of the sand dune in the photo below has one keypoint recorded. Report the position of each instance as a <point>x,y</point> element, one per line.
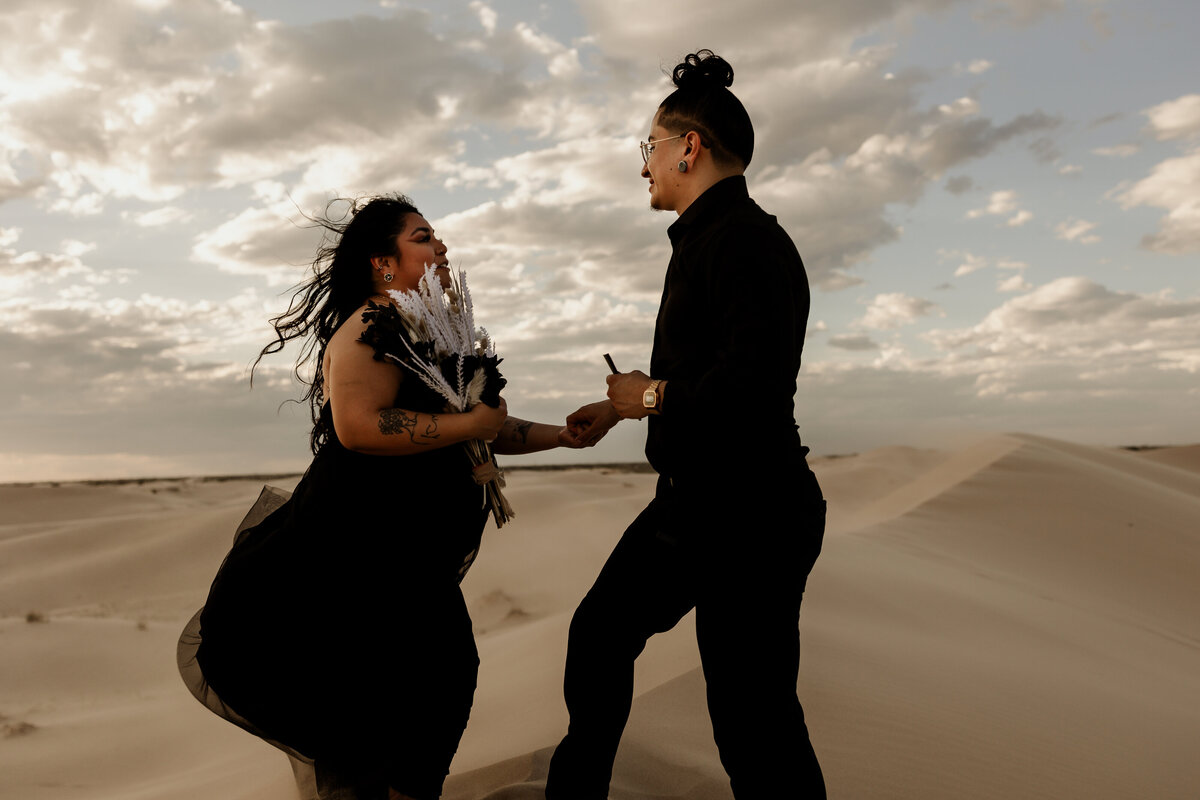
<point>1015,618</point>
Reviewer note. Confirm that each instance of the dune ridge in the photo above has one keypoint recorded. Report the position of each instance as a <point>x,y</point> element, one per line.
<point>1016,617</point>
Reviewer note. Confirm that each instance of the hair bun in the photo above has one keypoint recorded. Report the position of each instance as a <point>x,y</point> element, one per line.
<point>703,71</point>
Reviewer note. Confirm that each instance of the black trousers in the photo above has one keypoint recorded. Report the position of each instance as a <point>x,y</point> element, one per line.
<point>740,557</point>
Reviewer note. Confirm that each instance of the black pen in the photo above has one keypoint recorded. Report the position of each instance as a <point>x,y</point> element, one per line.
<point>611,365</point>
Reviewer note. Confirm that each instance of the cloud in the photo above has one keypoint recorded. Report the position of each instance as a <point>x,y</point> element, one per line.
<point>274,241</point>
<point>1076,230</point>
<point>853,342</point>
<point>628,30</point>
<point>1173,185</point>
<point>487,16</point>
<point>1020,13</point>
<point>164,215</point>
<point>1014,283</point>
<point>1003,203</point>
<point>109,380</point>
<point>147,101</point>
<point>1176,119</point>
<point>969,262</point>
<point>23,270</point>
<point>894,310</point>
<point>1117,151</point>
<point>977,66</point>
<point>1071,358</point>
<point>1076,335</point>
<point>959,184</point>
<point>169,99</point>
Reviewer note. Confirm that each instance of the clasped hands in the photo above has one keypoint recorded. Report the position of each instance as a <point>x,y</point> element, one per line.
<point>591,422</point>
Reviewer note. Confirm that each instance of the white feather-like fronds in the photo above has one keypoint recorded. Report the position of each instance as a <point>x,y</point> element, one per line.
<point>446,318</point>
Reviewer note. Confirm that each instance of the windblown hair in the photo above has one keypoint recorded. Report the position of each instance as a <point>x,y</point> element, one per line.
<point>703,103</point>
<point>340,284</point>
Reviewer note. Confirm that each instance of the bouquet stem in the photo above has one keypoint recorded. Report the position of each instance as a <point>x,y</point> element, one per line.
<point>489,475</point>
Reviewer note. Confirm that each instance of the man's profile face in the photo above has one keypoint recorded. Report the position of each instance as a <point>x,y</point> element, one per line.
<point>659,168</point>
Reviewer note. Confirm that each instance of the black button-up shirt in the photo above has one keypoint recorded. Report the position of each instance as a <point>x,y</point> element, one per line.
<point>728,340</point>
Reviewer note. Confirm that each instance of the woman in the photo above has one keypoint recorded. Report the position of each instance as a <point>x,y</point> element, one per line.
<point>335,628</point>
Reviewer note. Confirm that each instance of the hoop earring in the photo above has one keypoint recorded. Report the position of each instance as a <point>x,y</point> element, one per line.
<point>682,166</point>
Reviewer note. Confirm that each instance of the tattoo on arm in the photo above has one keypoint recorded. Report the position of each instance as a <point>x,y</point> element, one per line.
<point>518,428</point>
<point>398,421</point>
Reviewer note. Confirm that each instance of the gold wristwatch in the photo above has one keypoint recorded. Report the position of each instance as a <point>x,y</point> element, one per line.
<point>650,396</point>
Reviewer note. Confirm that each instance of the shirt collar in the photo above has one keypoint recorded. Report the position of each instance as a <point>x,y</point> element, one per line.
<point>722,194</point>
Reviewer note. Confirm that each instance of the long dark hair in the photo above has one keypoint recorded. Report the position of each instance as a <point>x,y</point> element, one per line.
<point>340,284</point>
<point>703,103</point>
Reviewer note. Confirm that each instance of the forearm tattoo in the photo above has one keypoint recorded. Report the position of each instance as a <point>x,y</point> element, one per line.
<point>518,428</point>
<point>398,421</point>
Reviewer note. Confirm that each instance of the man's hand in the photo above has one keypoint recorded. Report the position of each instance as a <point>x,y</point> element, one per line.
<point>588,425</point>
<point>625,390</point>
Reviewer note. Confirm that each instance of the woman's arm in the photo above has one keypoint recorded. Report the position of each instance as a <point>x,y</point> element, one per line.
<point>584,428</point>
<point>362,391</point>
<point>518,436</point>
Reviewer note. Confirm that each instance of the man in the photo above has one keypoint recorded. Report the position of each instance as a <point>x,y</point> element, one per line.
<point>738,518</point>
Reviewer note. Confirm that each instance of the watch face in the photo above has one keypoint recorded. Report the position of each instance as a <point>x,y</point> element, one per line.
<point>649,398</point>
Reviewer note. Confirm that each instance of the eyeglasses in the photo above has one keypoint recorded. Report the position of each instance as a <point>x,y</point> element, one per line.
<point>648,147</point>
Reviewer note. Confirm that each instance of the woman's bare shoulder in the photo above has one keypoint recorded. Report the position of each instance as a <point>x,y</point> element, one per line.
<point>349,331</point>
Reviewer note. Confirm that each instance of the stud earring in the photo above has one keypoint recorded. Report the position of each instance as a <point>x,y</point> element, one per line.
<point>387,277</point>
<point>682,166</point>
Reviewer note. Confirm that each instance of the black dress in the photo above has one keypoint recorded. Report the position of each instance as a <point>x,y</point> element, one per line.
<point>336,626</point>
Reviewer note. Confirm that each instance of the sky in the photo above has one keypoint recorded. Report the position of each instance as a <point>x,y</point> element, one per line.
<point>997,202</point>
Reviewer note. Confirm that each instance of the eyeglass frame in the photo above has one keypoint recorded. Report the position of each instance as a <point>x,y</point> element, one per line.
<point>647,153</point>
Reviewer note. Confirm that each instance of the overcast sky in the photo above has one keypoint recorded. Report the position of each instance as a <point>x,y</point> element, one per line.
<point>998,203</point>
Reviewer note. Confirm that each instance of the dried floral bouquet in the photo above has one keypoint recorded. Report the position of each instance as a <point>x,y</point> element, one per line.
<point>430,331</point>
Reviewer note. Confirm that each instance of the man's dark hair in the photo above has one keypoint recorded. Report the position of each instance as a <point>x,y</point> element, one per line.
<point>703,103</point>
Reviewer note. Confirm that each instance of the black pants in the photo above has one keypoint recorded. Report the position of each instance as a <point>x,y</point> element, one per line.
<point>741,559</point>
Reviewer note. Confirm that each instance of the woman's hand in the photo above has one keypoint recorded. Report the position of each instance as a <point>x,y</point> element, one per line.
<point>488,420</point>
<point>588,425</point>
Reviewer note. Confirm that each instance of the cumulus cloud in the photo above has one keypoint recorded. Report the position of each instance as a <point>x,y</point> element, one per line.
<point>1092,335</point>
<point>1173,184</point>
<point>894,310</point>
<point>968,262</point>
<point>1070,358</point>
<point>107,380</point>
<point>1003,204</point>
<point>148,101</point>
<point>487,16</point>
<point>628,30</point>
<point>171,97</point>
<point>1076,230</point>
<point>23,270</point>
<point>1014,283</point>
<point>1176,119</point>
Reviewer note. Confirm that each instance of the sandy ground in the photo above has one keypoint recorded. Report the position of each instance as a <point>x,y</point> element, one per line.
<point>1016,618</point>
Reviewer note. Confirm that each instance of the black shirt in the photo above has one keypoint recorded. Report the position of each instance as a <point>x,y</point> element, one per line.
<point>728,339</point>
